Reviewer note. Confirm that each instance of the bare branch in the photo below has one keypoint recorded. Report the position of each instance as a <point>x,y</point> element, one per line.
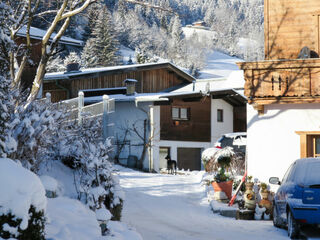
<point>77,10</point>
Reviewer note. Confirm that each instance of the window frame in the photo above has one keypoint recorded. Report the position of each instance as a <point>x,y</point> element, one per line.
<point>220,115</point>
<point>186,116</point>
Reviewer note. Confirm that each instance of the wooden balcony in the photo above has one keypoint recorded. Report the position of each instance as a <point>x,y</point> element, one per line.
<point>282,81</point>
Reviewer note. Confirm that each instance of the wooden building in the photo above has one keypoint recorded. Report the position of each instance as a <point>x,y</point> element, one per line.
<point>151,78</point>
<point>36,36</point>
<point>284,89</point>
<point>193,121</point>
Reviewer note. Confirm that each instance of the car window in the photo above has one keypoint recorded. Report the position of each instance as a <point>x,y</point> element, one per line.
<point>308,174</point>
<point>240,141</point>
<point>226,141</point>
<point>286,175</point>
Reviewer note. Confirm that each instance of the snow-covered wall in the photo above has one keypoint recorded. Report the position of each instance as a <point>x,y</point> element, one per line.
<point>219,128</point>
<point>273,143</point>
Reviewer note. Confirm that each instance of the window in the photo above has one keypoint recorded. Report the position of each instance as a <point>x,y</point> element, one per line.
<point>316,146</point>
<point>180,113</point>
<point>220,115</point>
<point>309,144</point>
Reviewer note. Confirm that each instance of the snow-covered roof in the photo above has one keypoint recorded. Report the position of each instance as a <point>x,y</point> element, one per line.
<point>88,71</point>
<point>137,97</point>
<point>37,33</point>
<point>234,81</point>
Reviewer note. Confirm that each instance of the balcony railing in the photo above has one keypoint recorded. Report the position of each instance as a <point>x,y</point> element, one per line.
<point>282,81</point>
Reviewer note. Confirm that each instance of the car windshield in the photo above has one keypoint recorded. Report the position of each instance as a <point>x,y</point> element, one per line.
<point>308,174</point>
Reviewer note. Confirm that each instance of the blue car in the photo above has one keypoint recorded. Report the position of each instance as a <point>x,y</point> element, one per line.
<point>297,201</point>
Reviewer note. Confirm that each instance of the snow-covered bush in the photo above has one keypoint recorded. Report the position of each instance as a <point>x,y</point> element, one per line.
<point>83,149</point>
<point>34,130</point>
<point>219,163</point>
<point>7,143</point>
<point>6,44</point>
<point>22,202</point>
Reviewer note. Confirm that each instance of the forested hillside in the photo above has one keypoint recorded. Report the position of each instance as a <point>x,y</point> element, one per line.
<point>153,28</point>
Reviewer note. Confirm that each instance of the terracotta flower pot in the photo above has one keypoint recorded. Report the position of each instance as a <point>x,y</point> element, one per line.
<point>223,187</point>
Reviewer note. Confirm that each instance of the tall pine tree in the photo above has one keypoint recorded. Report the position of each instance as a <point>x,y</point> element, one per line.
<point>102,48</point>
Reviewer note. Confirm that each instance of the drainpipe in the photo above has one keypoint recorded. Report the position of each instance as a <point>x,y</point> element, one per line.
<point>63,88</point>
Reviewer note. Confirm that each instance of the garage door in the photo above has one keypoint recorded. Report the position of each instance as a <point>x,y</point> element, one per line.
<point>189,158</point>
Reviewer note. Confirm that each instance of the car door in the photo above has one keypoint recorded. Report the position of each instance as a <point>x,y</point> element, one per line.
<point>284,192</point>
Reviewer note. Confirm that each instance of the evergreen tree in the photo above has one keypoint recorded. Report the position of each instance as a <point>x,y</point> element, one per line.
<point>176,30</point>
<point>7,144</point>
<point>102,48</point>
<point>55,65</point>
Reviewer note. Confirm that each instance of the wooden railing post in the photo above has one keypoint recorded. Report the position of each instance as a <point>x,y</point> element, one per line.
<point>105,117</point>
<point>80,106</point>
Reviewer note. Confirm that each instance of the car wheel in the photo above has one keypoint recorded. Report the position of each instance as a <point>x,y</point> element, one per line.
<point>275,217</point>
<point>293,227</point>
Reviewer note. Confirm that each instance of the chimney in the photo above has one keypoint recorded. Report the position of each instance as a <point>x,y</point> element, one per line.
<point>73,67</point>
<point>131,86</point>
<point>193,85</point>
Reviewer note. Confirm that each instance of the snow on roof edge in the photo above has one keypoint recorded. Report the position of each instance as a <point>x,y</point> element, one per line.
<point>37,33</point>
<point>65,75</point>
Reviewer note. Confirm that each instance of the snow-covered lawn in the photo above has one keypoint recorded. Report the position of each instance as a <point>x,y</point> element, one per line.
<point>175,207</point>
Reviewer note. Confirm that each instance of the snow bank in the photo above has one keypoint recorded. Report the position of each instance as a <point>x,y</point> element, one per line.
<point>103,214</point>
<point>19,189</point>
<point>49,183</point>
<point>70,219</point>
<point>121,231</point>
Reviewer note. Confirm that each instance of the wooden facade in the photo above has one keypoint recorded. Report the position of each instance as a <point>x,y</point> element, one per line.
<point>197,128</point>
<point>290,26</point>
<point>151,78</point>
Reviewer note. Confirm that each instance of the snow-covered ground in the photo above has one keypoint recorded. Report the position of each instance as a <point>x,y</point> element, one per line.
<point>166,207</point>
<point>219,65</point>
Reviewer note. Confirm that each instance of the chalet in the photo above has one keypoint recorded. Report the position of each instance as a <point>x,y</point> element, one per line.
<point>195,117</point>
<point>163,107</point>
<point>36,36</point>
<point>283,91</point>
<point>151,78</point>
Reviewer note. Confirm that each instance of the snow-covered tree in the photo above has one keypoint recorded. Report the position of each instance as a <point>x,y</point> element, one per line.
<point>101,49</point>
<point>176,31</point>
<point>7,143</point>
<point>73,57</point>
<point>55,65</point>
<point>23,14</point>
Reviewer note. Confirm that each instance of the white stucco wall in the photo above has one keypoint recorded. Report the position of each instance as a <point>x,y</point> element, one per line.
<point>126,114</point>
<point>272,144</point>
<point>155,137</point>
<point>219,128</point>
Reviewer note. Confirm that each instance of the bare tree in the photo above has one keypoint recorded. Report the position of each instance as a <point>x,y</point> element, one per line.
<point>24,13</point>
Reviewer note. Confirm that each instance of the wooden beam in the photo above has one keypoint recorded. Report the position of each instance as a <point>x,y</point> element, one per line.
<point>271,65</point>
<point>284,100</point>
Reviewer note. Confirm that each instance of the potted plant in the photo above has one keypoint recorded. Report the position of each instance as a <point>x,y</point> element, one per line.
<point>249,183</point>
<point>264,192</point>
<point>223,180</point>
<point>249,195</point>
